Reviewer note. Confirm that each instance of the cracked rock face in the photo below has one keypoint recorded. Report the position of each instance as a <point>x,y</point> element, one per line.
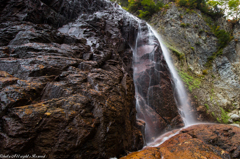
<point>65,79</point>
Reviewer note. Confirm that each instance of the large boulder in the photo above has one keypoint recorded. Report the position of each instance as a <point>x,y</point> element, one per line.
<point>66,90</point>
<point>199,141</point>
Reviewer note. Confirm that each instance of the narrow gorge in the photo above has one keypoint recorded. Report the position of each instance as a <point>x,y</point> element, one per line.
<point>86,79</point>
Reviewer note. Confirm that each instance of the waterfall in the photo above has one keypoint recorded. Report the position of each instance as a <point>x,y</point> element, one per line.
<point>183,103</point>
<point>161,99</point>
<point>148,53</point>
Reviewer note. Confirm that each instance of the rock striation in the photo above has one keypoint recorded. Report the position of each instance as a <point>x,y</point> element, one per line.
<point>190,38</point>
<point>66,80</point>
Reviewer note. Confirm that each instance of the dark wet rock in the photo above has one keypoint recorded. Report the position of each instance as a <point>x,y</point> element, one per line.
<point>66,90</point>
<point>66,80</point>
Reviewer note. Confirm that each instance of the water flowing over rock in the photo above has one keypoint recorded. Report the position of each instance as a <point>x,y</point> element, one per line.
<point>155,100</point>
<point>67,82</point>
<point>193,44</point>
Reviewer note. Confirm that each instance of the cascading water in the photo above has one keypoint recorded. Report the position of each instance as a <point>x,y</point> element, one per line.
<point>183,103</point>
<point>154,89</point>
<point>149,52</point>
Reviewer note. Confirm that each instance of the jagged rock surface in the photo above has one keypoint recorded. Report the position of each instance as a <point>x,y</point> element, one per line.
<point>66,79</point>
<point>65,92</point>
<point>192,42</point>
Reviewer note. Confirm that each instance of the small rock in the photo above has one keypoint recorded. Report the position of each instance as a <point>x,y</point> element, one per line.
<point>235,117</point>
<point>230,120</point>
<point>237,125</point>
<point>235,112</point>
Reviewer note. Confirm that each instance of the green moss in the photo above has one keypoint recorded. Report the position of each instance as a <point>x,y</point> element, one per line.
<point>144,8</point>
<point>213,114</point>
<point>201,31</point>
<point>206,106</point>
<point>190,81</point>
<point>183,25</point>
<point>192,48</point>
<point>223,37</point>
<point>224,116</point>
<point>205,72</point>
<point>195,97</point>
<point>181,56</point>
<point>211,58</point>
<point>166,6</point>
<point>197,43</point>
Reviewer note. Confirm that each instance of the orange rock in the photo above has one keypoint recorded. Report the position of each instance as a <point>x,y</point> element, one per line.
<point>206,141</point>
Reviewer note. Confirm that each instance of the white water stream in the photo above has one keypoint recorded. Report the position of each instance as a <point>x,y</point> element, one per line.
<point>182,98</point>
<point>147,43</point>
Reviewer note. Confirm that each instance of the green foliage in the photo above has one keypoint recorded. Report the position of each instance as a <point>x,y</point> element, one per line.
<point>190,81</point>
<point>192,48</point>
<point>166,6</point>
<point>231,7</point>
<point>195,26</point>
<point>201,5</point>
<point>123,3</point>
<point>223,37</point>
<point>213,113</point>
<point>206,106</point>
<point>144,8</point>
<point>197,43</point>
<point>181,56</point>
<point>224,116</point>
<point>201,31</point>
<point>184,25</point>
<point>195,97</point>
<point>211,58</point>
<point>205,72</point>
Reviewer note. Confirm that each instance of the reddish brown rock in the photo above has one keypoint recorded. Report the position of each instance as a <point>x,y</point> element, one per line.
<point>200,141</point>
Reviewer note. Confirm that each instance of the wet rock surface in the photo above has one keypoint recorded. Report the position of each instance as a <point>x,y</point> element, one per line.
<point>199,141</point>
<point>154,87</point>
<point>66,80</point>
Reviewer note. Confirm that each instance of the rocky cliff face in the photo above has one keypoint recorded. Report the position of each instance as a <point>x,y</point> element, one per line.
<point>66,79</point>
<point>192,42</point>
